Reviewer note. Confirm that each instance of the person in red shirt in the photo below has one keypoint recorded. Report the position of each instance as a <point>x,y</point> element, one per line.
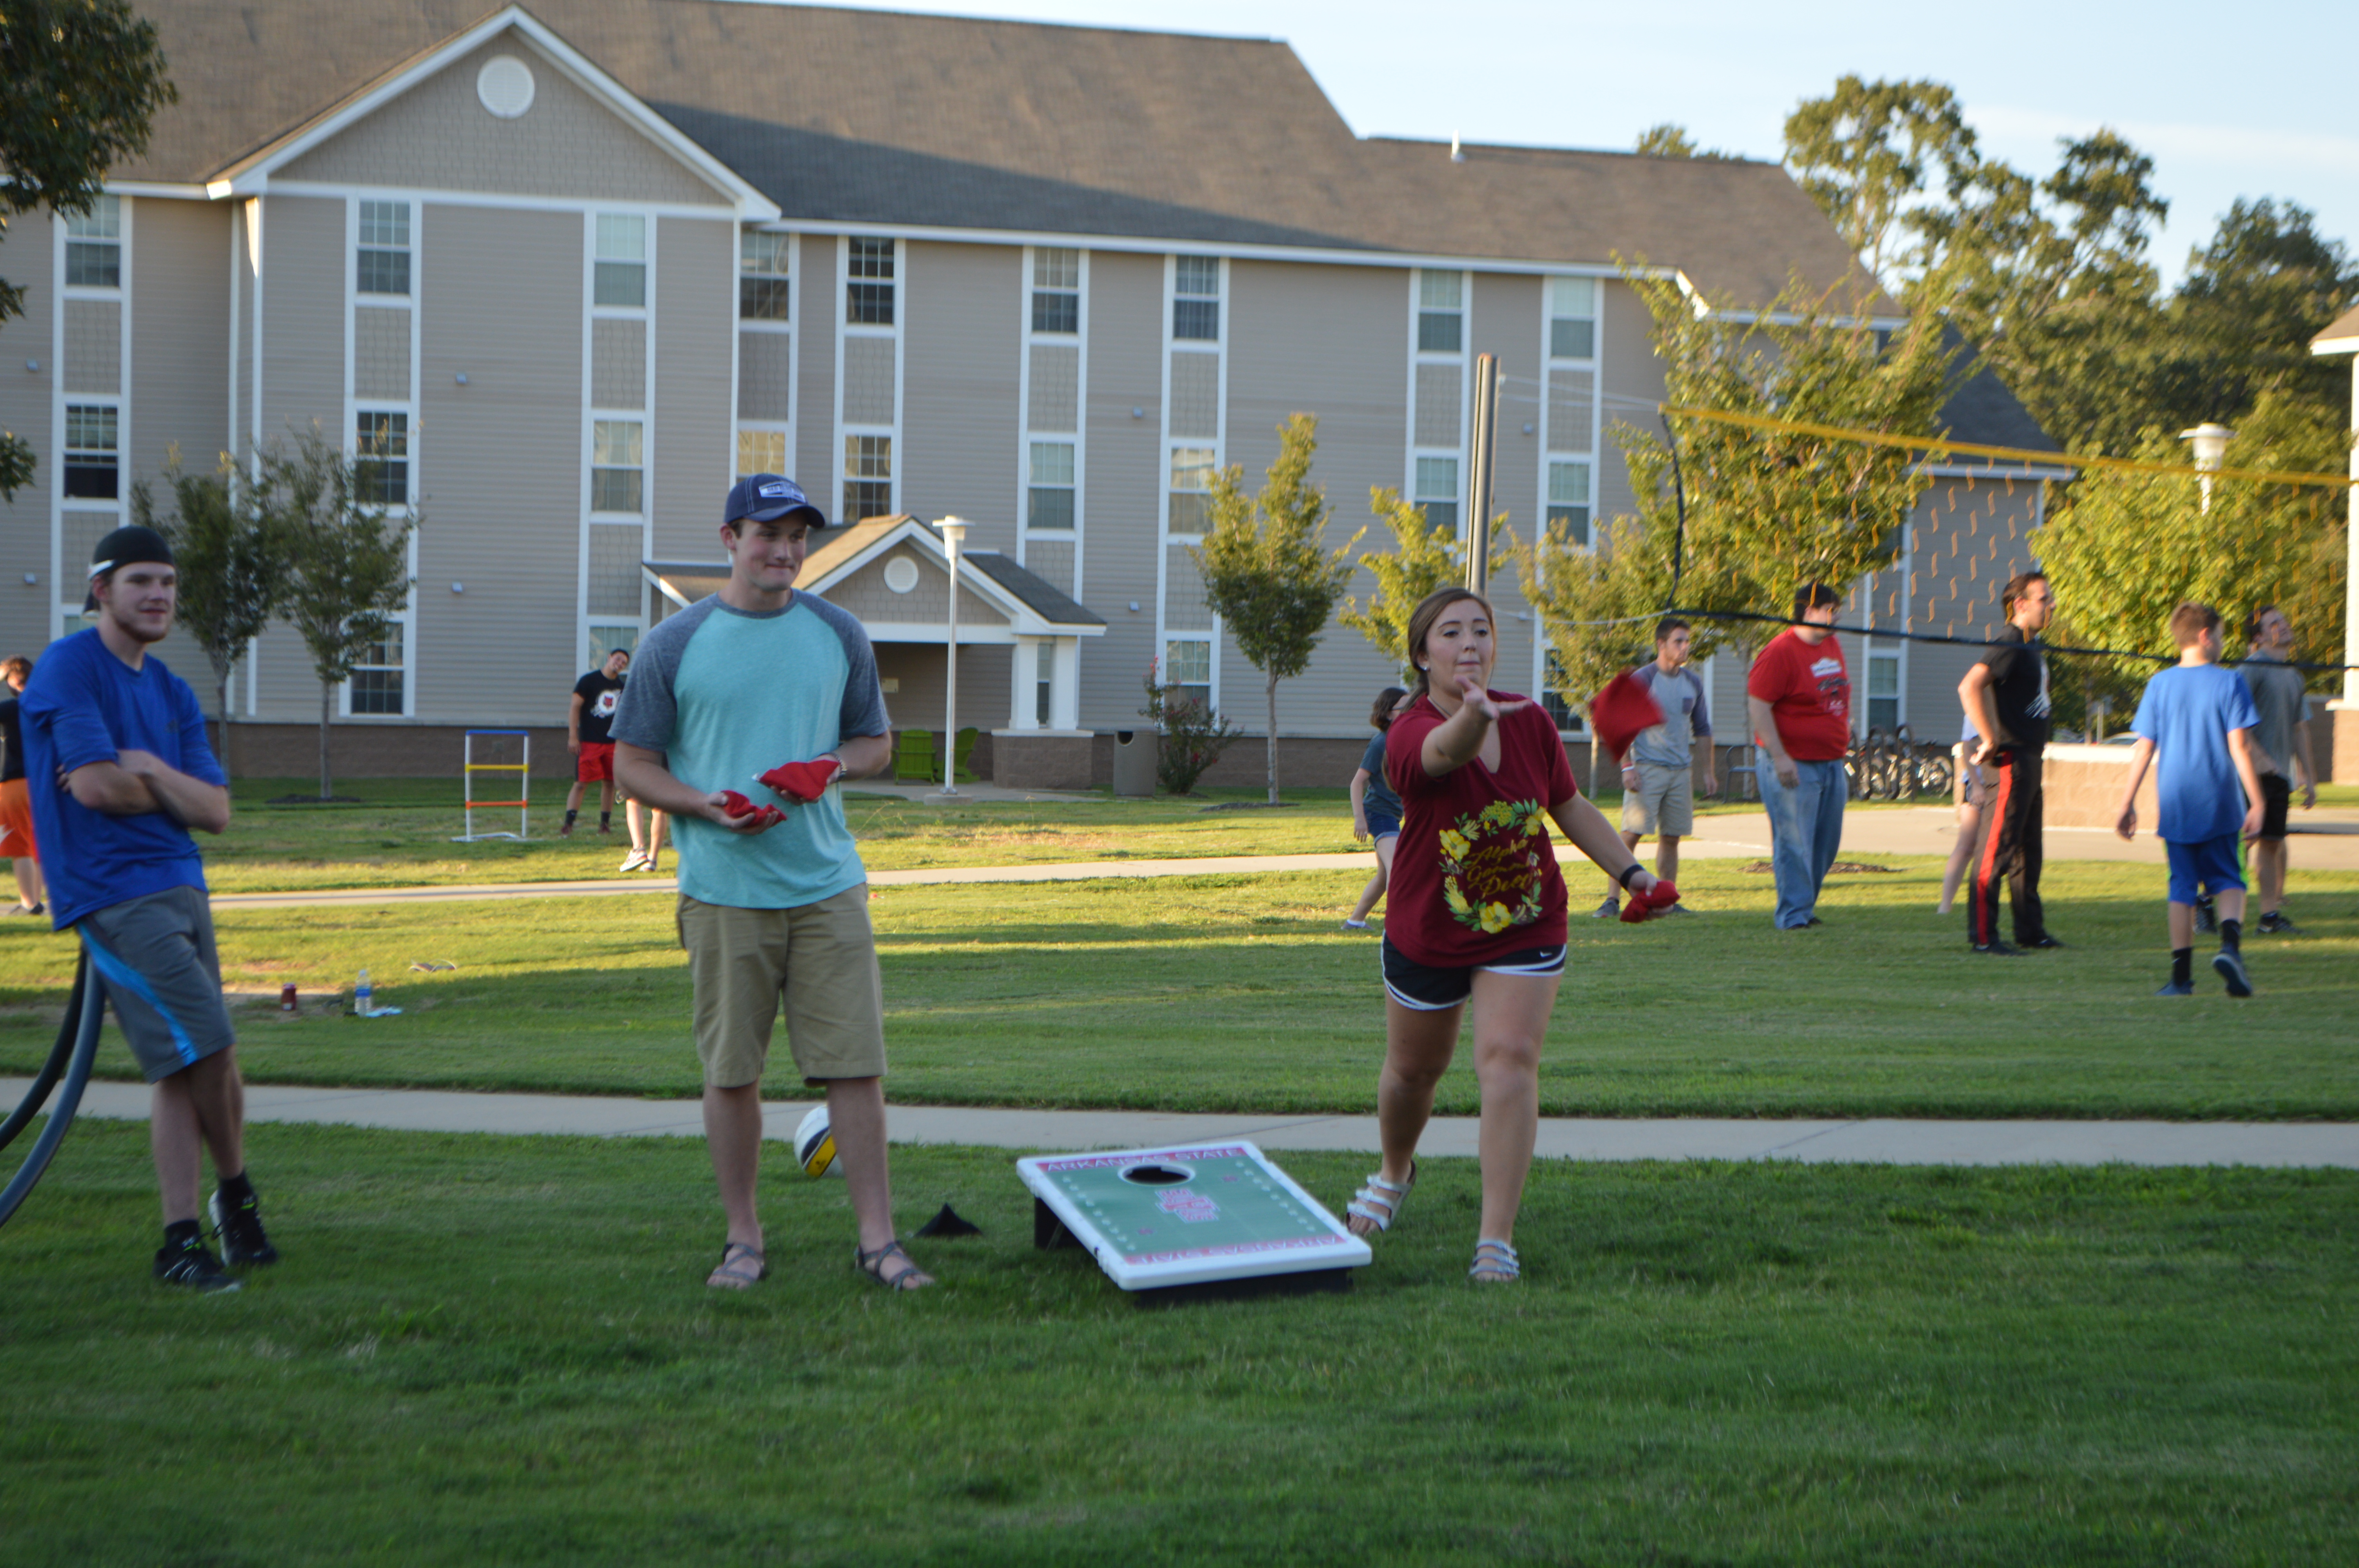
<point>1476,913</point>
<point>1798,698</point>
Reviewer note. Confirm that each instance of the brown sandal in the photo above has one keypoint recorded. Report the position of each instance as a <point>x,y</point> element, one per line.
<point>872,1264</point>
<point>731,1274</point>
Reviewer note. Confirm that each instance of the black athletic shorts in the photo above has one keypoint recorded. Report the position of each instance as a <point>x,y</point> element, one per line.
<point>2276,795</point>
<point>1430,989</point>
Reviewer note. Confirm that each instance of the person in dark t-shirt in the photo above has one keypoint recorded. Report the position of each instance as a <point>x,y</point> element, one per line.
<point>596,697</point>
<point>2006,695</point>
<point>17,838</point>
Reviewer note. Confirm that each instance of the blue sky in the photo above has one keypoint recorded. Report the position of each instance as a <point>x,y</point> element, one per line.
<point>2217,95</point>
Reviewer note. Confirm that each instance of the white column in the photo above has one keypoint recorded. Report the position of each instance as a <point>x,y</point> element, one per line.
<point>2351,586</point>
<point>1065,684</point>
<point>1023,685</point>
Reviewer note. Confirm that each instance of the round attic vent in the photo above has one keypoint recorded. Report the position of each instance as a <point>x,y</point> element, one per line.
<point>505,86</point>
<point>900,574</point>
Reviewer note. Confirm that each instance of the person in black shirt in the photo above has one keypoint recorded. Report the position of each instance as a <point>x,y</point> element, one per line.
<point>2005,695</point>
<point>595,696</point>
<point>16,839</point>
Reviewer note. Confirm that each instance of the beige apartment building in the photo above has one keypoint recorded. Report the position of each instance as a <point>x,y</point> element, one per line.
<point>566,271</point>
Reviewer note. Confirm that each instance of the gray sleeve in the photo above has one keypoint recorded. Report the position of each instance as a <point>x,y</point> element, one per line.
<point>862,712</point>
<point>647,712</point>
<point>1700,728</point>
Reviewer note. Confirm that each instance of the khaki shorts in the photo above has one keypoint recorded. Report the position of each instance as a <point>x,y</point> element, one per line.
<point>820,957</point>
<point>1663,802</point>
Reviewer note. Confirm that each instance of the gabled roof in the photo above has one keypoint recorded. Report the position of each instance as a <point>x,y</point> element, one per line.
<point>1980,409</point>
<point>872,118</point>
<point>1034,607</point>
<point>2342,338</point>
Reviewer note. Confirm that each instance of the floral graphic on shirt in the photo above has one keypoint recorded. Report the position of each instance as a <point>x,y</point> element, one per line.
<point>1492,863</point>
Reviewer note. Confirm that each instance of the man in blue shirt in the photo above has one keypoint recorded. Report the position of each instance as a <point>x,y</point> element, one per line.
<point>2198,720</point>
<point>759,687</point>
<point>119,770</point>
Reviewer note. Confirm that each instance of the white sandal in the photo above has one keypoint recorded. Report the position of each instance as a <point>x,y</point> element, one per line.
<point>1379,1202</point>
<point>1494,1263</point>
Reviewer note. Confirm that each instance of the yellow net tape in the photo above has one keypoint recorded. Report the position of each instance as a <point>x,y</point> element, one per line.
<point>1942,445</point>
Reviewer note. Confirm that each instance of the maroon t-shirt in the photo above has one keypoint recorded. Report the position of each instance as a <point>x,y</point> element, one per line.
<point>1474,875</point>
<point>1809,694</point>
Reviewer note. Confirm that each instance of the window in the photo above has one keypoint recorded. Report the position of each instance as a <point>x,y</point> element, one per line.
<point>1441,312</point>
<point>384,255</point>
<point>761,277</point>
<point>93,455</point>
<point>381,458</point>
<point>1196,305</point>
<point>1568,501</point>
<point>869,294</point>
<point>1560,707</point>
<point>377,678</point>
<point>1573,318</point>
<point>1437,490</point>
<point>867,476</point>
<point>621,275</point>
<point>1056,290</point>
<point>1050,494</point>
<point>608,640</point>
<point>761,451</point>
<point>618,477</point>
<point>1191,485</point>
<point>94,246</point>
<point>1188,664</point>
<point>1884,691</point>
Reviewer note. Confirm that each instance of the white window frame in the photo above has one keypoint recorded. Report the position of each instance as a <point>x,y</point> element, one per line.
<point>106,209</point>
<point>783,430</point>
<point>1461,358</point>
<point>408,247</point>
<point>407,407</point>
<point>644,417</point>
<point>1078,438</point>
<point>1594,365</point>
<point>846,329</point>
<point>70,579</point>
<point>1169,445</point>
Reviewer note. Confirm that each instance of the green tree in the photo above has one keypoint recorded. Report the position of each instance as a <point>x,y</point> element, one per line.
<point>2240,325</point>
<point>1766,511</point>
<point>80,80</point>
<point>1868,151</point>
<point>348,560</point>
<point>2128,547</point>
<point>231,550</point>
<point>1424,556</point>
<point>1667,140</point>
<point>1267,574</point>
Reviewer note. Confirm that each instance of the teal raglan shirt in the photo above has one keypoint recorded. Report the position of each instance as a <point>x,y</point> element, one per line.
<point>726,694</point>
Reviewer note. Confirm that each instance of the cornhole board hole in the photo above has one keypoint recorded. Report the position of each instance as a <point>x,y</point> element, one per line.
<point>1201,1218</point>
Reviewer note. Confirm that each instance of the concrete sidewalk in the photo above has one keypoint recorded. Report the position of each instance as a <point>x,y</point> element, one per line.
<point>1877,1141</point>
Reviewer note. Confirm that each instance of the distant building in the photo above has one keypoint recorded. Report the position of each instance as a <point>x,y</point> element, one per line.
<point>567,271</point>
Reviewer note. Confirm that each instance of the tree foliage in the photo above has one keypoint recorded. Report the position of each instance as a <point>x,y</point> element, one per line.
<point>80,82</point>
<point>2131,546</point>
<point>1668,140</point>
<point>1189,736</point>
<point>231,547</point>
<point>1765,511</point>
<point>1866,151</point>
<point>1424,556</point>
<point>1267,572</point>
<point>348,560</point>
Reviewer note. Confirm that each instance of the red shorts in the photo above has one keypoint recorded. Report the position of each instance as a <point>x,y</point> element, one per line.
<point>596,764</point>
<point>17,822</point>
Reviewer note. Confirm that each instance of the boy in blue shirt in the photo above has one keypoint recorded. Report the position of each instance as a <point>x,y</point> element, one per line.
<point>2198,719</point>
<point>119,771</point>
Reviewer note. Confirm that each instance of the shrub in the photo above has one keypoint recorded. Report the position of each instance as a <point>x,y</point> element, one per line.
<point>1191,735</point>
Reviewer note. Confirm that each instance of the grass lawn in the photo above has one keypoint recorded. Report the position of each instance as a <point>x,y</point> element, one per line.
<point>500,1350</point>
<point>1241,993</point>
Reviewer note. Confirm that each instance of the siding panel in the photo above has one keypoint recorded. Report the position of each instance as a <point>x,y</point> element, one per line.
<point>1125,350</point>
<point>27,259</point>
<point>1196,395</point>
<point>180,381</point>
<point>1440,398</point>
<point>380,352</point>
<point>695,455</point>
<point>1056,389</point>
<point>868,381</point>
<point>93,347</point>
<point>618,363</point>
<point>959,431</point>
<point>765,369</point>
<point>817,463</point>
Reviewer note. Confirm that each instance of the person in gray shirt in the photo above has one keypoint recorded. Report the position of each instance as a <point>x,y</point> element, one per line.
<point>1657,788</point>
<point>2280,740</point>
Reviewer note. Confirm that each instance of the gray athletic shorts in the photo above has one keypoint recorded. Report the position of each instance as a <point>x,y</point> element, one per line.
<point>155,955</point>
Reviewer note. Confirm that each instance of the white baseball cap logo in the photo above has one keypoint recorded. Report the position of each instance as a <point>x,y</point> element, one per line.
<point>776,489</point>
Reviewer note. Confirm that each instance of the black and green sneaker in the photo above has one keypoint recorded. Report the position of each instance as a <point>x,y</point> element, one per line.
<point>239,1226</point>
<point>191,1266</point>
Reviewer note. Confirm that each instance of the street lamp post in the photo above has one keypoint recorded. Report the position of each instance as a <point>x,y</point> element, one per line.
<point>953,531</point>
<point>2211,443</point>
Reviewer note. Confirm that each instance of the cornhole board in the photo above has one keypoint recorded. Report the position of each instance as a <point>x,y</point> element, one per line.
<point>1189,1214</point>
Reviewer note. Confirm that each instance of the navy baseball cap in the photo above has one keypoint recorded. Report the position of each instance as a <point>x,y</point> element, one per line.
<point>762,497</point>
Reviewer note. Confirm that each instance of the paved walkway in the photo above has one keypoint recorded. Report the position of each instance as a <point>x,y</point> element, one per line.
<point>1878,1141</point>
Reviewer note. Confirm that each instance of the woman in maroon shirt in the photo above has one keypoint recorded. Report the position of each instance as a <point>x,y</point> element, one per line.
<point>1477,911</point>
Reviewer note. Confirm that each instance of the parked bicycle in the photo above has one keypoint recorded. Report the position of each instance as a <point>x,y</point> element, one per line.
<point>1897,767</point>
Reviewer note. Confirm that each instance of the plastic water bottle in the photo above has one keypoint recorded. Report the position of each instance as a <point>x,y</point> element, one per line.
<point>363,998</point>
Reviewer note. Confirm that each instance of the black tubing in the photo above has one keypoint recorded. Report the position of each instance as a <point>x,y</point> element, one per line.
<point>84,1022</point>
<point>30,1106</point>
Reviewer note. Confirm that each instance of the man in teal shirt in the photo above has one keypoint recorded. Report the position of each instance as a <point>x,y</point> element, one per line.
<point>759,687</point>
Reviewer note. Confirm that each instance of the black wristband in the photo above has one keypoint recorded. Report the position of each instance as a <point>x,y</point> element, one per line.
<point>1624,878</point>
